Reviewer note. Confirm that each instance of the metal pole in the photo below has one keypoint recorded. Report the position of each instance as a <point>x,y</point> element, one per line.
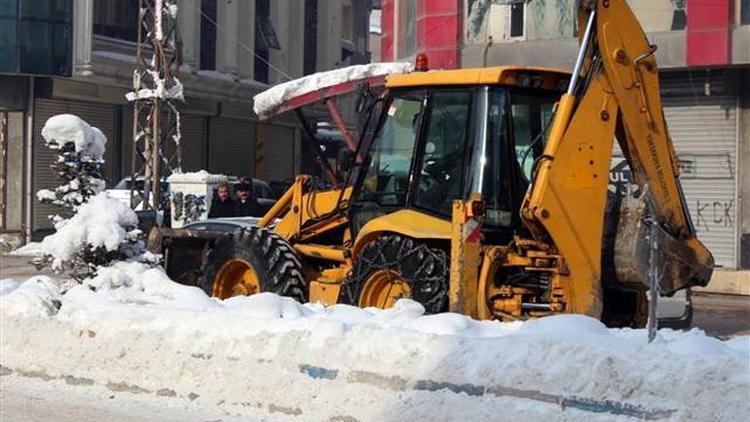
<point>582,52</point>
<point>653,278</point>
<point>29,160</point>
<point>310,136</point>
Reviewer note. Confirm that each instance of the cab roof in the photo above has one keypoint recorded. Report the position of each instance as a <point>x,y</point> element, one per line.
<point>537,77</point>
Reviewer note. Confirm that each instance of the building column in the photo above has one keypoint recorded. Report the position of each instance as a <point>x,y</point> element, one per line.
<point>228,15</point>
<point>83,29</point>
<point>246,38</point>
<point>744,169</point>
<point>387,30</point>
<point>439,31</point>
<point>288,20</point>
<point>329,34</point>
<point>189,25</point>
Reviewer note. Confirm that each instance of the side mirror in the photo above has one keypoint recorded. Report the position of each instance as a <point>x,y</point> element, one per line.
<point>344,160</point>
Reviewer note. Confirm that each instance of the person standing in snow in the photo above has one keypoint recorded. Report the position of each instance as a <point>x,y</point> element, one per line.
<point>222,205</point>
<point>247,205</point>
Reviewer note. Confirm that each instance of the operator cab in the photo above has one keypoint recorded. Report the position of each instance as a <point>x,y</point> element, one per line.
<point>444,138</point>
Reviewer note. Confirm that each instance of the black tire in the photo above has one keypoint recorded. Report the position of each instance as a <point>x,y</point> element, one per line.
<point>424,269</point>
<point>275,262</point>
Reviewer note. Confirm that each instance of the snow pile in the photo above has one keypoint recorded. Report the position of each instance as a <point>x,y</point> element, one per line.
<point>38,296</point>
<point>103,223</point>
<point>64,128</point>
<point>131,325</point>
<point>29,249</point>
<point>201,176</point>
<point>271,98</point>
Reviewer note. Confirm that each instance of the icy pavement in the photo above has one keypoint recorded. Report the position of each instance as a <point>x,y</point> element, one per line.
<point>133,330</point>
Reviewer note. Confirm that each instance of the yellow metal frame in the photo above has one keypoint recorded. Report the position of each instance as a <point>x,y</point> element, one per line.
<point>546,78</point>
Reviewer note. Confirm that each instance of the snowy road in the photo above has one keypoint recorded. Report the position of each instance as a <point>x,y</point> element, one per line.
<point>35,400</point>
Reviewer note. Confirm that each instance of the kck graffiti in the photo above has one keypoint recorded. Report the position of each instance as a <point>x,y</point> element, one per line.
<point>714,213</point>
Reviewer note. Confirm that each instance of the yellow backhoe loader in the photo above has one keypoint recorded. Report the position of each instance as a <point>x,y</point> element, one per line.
<point>483,192</point>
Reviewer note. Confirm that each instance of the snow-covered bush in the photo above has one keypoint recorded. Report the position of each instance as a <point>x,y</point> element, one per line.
<point>101,229</point>
<point>79,161</point>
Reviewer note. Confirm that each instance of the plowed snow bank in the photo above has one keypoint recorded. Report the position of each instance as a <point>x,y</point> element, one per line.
<point>132,324</point>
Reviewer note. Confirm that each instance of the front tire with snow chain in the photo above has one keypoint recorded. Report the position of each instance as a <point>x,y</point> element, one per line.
<point>250,261</point>
<point>393,267</point>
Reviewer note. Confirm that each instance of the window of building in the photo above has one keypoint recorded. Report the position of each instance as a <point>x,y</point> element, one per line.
<point>208,35</point>
<point>9,34</point>
<point>116,19</point>
<point>407,28</point>
<point>745,12</point>
<point>517,14</point>
<point>262,13</point>
<point>310,63</point>
<point>267,34</point>
<point>37,37</point>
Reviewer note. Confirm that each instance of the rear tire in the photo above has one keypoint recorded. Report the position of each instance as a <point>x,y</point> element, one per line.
<point>423,272</point>
<point>275,265</point>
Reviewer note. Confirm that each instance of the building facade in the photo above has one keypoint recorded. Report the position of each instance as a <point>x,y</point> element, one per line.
<point>231,50</point>
<point>704,58</point>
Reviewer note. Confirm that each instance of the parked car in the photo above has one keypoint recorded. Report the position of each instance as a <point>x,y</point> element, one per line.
<point>121,191</point>
<point>677,311</point>
<point>227,224</point>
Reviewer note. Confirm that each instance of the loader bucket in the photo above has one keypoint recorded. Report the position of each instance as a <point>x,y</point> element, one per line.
<point>183,251</point>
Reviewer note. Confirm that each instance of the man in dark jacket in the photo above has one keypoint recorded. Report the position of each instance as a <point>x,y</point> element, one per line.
<point>247,205</point>
<point>222,204</point>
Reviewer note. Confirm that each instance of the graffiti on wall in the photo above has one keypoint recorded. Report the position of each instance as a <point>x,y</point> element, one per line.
<point>713,213</point>
<point>707,215</point>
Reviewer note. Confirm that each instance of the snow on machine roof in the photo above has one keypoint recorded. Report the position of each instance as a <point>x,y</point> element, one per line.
<point>318,86</point>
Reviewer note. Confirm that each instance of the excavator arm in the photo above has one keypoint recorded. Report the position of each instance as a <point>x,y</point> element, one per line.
<point>613,93</point>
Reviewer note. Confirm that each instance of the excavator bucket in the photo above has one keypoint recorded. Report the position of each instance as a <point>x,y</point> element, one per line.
<point>678,263</point>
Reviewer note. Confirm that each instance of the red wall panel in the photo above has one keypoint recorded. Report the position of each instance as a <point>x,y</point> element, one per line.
<point>386,30</point>
<point>708,36</point>
<point>439,31</point>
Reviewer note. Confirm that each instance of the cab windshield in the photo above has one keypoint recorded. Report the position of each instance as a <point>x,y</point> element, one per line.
<point>440,144</point>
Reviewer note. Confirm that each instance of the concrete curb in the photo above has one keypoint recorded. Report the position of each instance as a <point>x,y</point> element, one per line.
<point>728,282</point>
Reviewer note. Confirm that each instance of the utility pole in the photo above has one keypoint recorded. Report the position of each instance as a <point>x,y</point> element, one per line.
<point>156,90</point>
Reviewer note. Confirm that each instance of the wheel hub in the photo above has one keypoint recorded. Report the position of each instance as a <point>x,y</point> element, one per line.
<point>236,277</point>
<point>382,289</point>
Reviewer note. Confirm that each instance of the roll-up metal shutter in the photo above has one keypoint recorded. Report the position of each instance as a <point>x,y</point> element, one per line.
<point>42,175</point>
<point>278,153</point>
<point>101,116</point>
<point>231,148</point>
<point>704,130</point>
<point>193,143</point>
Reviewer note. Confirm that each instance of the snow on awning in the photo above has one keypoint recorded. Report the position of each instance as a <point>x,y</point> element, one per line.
<point>318,86</point>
